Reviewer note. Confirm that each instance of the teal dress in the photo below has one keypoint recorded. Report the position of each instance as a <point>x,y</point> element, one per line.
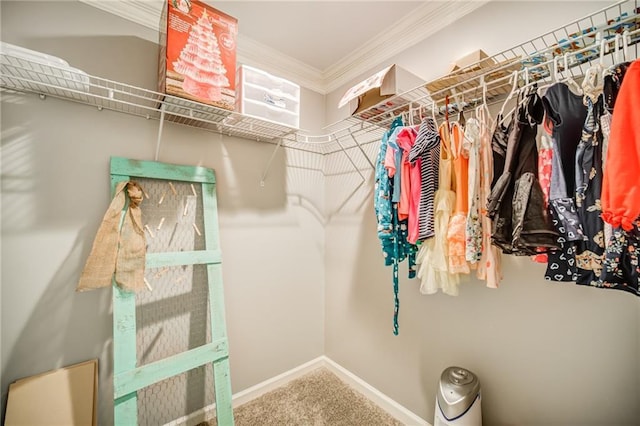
<point>392,232</point>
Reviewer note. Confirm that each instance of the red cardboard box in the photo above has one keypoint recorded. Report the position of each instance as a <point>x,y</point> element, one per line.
<point>198,53</point>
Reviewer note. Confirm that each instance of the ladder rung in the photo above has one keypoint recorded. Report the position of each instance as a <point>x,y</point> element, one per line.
<point>141,377</point>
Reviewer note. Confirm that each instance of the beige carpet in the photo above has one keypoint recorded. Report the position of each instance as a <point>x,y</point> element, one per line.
<point>318,398</point>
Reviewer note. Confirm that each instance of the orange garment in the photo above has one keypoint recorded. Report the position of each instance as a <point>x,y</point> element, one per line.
<point>456,234</point>
<point>621,181</point>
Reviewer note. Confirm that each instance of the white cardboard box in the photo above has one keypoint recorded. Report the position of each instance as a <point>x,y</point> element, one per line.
<point>379,93</point>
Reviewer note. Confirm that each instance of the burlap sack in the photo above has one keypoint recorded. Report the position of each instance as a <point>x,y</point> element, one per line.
<point>118,250</point>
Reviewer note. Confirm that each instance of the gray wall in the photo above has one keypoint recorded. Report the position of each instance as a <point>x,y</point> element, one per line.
<point>55,190</point>
<point>296,287</point>
<point>546,353</point>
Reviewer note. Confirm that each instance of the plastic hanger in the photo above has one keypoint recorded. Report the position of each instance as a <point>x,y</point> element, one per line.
<point>626,39</point>
<point>593,83</point>
<point>461,119</point>
<point>434,105</point>
<point>568,79</point>
<point>514,90</point>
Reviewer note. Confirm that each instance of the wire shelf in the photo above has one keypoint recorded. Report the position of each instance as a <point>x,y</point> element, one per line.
<point>534,61</point>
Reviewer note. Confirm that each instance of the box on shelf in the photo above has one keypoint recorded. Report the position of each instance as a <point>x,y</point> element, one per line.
<point>379,93</point>
<point>473,61</point>
<point>198,53</point>
<point>265,96</point>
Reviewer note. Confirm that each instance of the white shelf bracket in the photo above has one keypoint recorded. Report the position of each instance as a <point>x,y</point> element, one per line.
<point>364,154</point>
<point>273,155</point>
<point>349,158</point>
<point>160,126</point>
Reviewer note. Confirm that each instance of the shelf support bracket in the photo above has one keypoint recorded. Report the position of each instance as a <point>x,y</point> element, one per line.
<point>349,158</point>
<point>160,126</point>
<point>364,154</point>
<point>273,155</point>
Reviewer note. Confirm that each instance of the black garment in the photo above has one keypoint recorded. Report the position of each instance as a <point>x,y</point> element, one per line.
<point>612,84</point>
<point>499,142</point>
<point>516,204</point>
<point>567,112</point>
<point>590,251</point>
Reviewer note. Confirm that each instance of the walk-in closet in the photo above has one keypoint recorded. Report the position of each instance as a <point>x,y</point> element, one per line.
<point>425,185</point>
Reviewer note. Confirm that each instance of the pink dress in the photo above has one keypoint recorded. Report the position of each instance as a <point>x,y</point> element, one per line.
<point>489,267</point>
<point>411,183</point>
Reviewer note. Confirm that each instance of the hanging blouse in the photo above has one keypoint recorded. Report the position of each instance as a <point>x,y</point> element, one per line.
<point>426,150</point>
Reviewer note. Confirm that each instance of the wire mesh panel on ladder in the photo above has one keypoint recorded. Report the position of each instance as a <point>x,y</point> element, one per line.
<point>171,354</point>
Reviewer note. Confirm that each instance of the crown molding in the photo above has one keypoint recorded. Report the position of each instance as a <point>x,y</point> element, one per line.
<point>256,54</point>
<point>424,21</point>
<point>143,12</point>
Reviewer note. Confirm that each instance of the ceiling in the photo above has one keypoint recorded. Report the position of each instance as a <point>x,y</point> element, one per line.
<point>320,44</point>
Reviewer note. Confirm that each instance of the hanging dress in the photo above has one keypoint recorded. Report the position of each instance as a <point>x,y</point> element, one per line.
<point>490,265</point>
<point>433,255</point>
<point>521,223</point>
<point>456,233</point>
<point>588,184</point>
<point>473,230</point>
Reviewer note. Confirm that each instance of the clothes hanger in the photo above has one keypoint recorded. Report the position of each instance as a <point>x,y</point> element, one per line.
<point>568,79</point>
<point>434,105</point>
<point>593,82</point>
<point>514,90</point>
<point>626,39</point>
<point>460,106</point>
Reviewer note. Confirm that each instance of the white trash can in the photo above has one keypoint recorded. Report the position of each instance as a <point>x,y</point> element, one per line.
<point>458,400</point>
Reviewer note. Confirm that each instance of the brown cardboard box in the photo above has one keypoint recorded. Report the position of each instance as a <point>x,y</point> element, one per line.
<point>478,58</point>
<point>66,396</point>
<point>380,93</point>
<point>198,53</point>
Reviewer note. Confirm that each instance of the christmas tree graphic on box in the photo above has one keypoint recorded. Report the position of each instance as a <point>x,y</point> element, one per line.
<point>200,62</point>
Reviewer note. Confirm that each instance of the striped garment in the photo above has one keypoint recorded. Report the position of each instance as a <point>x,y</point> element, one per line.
<point>427,149</point>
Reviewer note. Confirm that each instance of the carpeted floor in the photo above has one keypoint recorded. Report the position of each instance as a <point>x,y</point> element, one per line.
<point>316,399</point>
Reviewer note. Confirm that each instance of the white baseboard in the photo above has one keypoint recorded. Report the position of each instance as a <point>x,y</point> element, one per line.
<point>394,409</point>
<point>402,414</point>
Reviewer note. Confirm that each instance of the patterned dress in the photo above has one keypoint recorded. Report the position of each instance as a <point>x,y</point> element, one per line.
<point>588,179</point>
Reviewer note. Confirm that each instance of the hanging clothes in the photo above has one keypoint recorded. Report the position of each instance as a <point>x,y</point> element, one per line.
<point>561,263</point>
<point>456,232</point>
<point>621,186</point>
<point>588,178</point>
<point>433,255</point>
<point>545,161</point>
<point>473,229</point>
<point>516,204</point>
<point>411,183</point>
<point>490,265</point>
<point>426,150</point>
<point>621,267</point>
<point>392,232</point>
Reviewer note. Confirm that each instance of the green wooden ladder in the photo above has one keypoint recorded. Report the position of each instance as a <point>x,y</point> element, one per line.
<point>129,378</point>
